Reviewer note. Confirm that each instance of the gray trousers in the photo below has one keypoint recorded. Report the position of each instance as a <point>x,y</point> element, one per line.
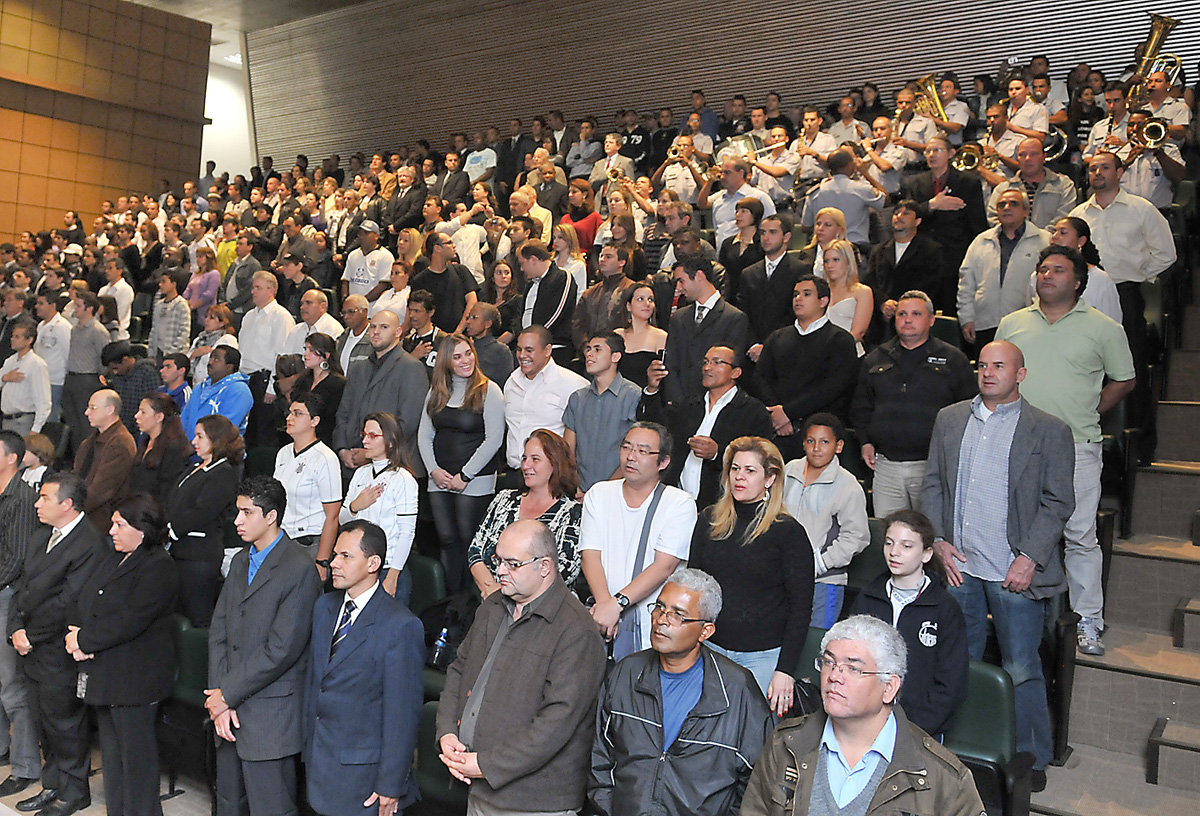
<point>15,715</point>
<point>22,424</point>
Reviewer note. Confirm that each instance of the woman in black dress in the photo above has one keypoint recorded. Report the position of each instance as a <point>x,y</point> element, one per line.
<point>163,456</point>
<point>324,377</point>
<point>741,249</point>
<point>503,290</point>
<point>643,340</point>
<point>200,510</point>
<point>121,635</point>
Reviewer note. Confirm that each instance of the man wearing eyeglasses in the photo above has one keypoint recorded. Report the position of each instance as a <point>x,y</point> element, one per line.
<point>515,718</point>
<point>679,700</point>
<point>862,755</point>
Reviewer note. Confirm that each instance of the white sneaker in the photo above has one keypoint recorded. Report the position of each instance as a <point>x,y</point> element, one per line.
<point>1088,637</point>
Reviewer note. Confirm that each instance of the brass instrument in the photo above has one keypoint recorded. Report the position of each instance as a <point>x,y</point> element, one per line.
<point>615,176</point>
<point>1150,134</point>
<point>712,172</point>
<point>741,146</point>
<point>674,152</point>
<point>1055,144</point>
<point>1152,60</point>
<point>971,156</point>
<point>928,102</point>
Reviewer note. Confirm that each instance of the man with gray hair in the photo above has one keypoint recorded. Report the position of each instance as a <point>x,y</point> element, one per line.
<point>682,701</point>
<point>837,761</point>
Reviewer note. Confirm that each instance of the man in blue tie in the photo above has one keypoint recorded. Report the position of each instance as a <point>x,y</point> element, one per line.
<point>363,691</point>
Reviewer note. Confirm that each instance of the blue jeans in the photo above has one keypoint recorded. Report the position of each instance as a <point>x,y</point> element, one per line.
<point>760,664</point>
<point>55,404</point>
<point>1019,625</point>
<point>827,604</point>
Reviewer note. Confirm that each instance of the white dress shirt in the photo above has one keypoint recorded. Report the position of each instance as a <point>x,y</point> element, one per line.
<point>52,344</point>
<point>689,478</point>
<point>823,143</point>
<point>31,395</point>
<point>122,293</point>
<point>530,404</point>
<point>1132,236</point>
<point>958,113</point>
<point>1101,131</point>
<point>263,335</point>
<point>724,211</point>
<point>326,324</point>
<point>1144,177</point>
<point>679,178</point>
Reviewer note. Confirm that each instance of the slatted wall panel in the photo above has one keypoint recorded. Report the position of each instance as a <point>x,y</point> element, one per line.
<point>388,72</point>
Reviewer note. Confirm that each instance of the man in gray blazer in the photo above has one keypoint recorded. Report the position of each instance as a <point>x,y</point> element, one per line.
<point>611,160</point>
<point>257,652</point>
<point>999,488</point>
<point>388,380</point>
<point>236,291</point>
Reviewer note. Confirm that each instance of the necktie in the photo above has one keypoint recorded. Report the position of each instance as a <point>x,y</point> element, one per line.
<point>55,537</point>
<point>342,630</point>
<point>700,312</point>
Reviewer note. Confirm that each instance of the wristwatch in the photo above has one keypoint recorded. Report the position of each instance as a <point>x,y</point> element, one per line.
<point>622,600</point>
<point>325,562</point>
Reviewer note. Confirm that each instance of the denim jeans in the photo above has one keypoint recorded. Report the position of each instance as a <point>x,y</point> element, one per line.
<point>760,664</point>
<point>1019,625</point>
<point>827,604</point>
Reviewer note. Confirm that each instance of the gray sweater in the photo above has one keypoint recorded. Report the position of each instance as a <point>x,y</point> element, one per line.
<point>493,429</point>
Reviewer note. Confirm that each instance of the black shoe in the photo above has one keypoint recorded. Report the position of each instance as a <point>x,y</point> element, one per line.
<point>4,759</point>
<point>14,784</point>
<point>1037,785</point>
<point>38,802</point>
<point>61,808</point>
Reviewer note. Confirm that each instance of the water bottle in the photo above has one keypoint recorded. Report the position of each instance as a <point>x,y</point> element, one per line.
<point>439,647</point>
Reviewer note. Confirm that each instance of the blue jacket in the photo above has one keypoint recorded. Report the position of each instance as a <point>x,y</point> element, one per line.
<point>230,397</point>
<point>362,707</point>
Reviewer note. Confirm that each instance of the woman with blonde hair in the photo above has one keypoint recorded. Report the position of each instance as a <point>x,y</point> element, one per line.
<point>409,248</point>
<point>462,429</point>
<point>850,302</point>
<point>762,559</point>
<point>569,256</point>
<point>828,226</point>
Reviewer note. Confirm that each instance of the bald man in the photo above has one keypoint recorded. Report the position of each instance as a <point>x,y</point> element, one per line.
<point>105,459</point>
<point>999,489</point>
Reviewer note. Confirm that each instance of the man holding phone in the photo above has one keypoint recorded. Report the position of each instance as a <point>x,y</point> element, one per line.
<point>703,426</point>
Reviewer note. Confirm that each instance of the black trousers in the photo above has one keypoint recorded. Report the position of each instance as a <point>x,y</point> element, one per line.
<point>260,428</point>
<point>456,518</point>
<point>248,788</point>
<point>129,750</point>
<point>61,720</point>
<point>77,390</point>
<point>199,587</point>
<point>1133,320</point>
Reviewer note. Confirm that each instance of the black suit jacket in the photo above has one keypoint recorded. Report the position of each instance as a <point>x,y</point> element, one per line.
<point>923,266</point>
<point>199,510</point>
<point>553,197</point>
<point>456,186</point>
<point>376,210</point>
<point>510,159</point>
<point>124,617</point>
<point>555,305</point>
<point>405,210</point>
<point>687,343</point>
<point>768,302</point>
<point>743,416</point>
<point>47,588</point>
<point>955,229</point>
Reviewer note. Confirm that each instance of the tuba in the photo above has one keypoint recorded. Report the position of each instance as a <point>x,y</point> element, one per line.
<point>1152,60</point>
<point>1150,134</point>
<point>928,102</point>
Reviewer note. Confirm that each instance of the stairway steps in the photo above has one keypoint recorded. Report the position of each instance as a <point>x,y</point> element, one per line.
<point>1166,496</point>
<point>1183,381</point>
<point>1174,756</point>
<point>1149,578</point>
<point>1191,328</point>
<point>1176,424</point>
<point>1119,697</point>
<point>1185,625</point>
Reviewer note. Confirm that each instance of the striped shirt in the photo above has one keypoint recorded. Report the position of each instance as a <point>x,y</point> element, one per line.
<point>981,511</point>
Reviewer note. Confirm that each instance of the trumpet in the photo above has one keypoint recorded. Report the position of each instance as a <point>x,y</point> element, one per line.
<point>712,172</point>
<point>674,152</point>
<point>615,176</point>
<point>971,156</point>
<point>1150,134</point>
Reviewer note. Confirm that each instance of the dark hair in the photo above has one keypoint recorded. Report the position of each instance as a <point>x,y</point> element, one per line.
<point>172,429</point>
<point>231,355</point>
<point>589,197</point>
<point>223,435</point>
<point>311,402</point>
<point>534,248</point>
<point>527,222</point>
<point>821,284</point>
<point>1078,264</point>
<point>919,524</point>
<point>564,476</point>
<point>393,439</point>
<point>1089,251</point>
<point>753,206</point>
<point>425,298</point>
<point>181,362</point>
<point>826,420</point>
<point>266,493</point>
<point>694,263</point>
<point>616,343</point>
<point>787,222</point>
<point>373,541</point>
<point>666,442</point>
<point>115,351</point>
<point>144,514</point>
<point>840,161</point>
<point>70,487</point>
<point>13,443</point>
<point>1116,85</point>
<point>545,338</point>
<point>326,347</point>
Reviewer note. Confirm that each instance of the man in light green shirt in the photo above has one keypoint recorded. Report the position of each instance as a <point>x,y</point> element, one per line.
<point>1070,348</point>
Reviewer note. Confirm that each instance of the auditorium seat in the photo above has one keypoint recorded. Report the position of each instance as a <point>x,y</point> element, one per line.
<point>185,736</point>
<point>428,580</point>
<point>433,779</point>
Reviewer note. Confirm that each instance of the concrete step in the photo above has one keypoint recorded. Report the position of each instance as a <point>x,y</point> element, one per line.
<point>1142,678</point>
<point>1166,496</point>
<point>1174,756</point>
<point>1185,625</point>
<point>1150,576</point>
<point>1183,379</point>
<point>1191,328</point>
<point>1178,423</point>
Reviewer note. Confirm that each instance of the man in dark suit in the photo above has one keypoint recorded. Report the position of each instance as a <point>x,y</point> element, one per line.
<point>708,321</point>
<point>391,380</point>
<point>805,368</point>
<point>257,653</point>
<point>1005,555</point>
<point>456,184</point>
<point>551,193</point>
<point>765,289</point>
<point>510,159</point>
<point>909,260</point>
<point>407,203</point>
<point>550,300</point>
<point>703,427</point>
<point>949,203</point>
<point>59,559</point>
<point>363,691</point>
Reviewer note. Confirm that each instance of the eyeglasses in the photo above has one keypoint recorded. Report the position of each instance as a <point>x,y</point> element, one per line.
<point>299,413</point>
<point>640,450</point>
<point>827,663</point>
<point>710,362</point>
<point>370,435</point>
<point>672,617</point>
<point>511,565</point>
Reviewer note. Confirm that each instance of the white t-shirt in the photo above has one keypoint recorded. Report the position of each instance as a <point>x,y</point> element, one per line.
<point>614,528</point>
<point>364,271</point>
<point>479,162</point>
<point>311,479</point>
<point>122,293</point>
